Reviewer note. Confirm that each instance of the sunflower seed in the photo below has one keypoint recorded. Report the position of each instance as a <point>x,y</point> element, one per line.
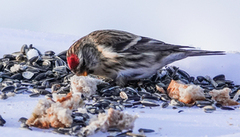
<point>2,121</point>
<point>209,109</point>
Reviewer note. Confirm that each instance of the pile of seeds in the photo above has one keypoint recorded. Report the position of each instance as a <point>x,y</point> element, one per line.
<point>30,71</point>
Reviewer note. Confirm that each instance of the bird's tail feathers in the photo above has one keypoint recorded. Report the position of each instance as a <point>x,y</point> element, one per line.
<point>204,53</point>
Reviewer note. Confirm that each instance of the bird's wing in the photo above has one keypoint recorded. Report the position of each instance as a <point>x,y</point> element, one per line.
<point>124,42</point>
<point>115,39</point>
<point>147,44</point>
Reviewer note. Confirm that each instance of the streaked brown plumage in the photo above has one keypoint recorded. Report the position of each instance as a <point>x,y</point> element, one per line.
<point>123,56</point>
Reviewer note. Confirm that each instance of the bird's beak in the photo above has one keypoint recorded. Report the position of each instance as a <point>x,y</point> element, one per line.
<point>82,74</point>
<point>85,73</point>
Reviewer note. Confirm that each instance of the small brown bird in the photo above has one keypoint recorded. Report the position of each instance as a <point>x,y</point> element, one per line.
<point>124,56</point>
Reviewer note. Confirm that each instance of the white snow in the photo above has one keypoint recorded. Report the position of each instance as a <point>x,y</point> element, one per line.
<point>166,122</point>
<point>12,40</point>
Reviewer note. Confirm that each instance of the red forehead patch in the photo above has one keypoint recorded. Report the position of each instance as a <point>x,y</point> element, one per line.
<point>72,61</point>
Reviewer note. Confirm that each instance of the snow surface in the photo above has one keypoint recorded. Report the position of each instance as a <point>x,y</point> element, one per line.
<point>192,122</point>
<point>209,24</point>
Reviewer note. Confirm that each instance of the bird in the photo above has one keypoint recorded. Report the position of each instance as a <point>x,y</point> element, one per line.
<point>124,56</point>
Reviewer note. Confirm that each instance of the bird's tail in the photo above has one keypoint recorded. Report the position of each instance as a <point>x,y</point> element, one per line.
<point>204,53</point>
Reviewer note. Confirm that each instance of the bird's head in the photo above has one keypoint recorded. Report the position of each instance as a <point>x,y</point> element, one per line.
<point>73,62</point>
<point>83,61</point>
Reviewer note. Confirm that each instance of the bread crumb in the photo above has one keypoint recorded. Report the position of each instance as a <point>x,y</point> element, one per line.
<point>84,85</point>
<point>55,113</point>
<point>38,117</point>
<point>187,94</point>
<point>15,68</point>
<point>222,97</point>
<point>10,94</point>
<point>160,89</point>
<point>123,95</point>
<point>59,116</point>
<point>114,118</point>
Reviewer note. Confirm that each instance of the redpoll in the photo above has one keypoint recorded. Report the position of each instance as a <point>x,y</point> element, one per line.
<point>123,56</point>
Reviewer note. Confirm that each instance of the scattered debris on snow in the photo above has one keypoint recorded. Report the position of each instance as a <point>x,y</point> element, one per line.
<point>160,89</point>
<point>187,94</point>
<point>15,68</point>
<point>55,113</point>
<point>123,95</point>
<point>222,97</point>
<point>10,94</point>
<point>84,84</point>
<point>114,118</point>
